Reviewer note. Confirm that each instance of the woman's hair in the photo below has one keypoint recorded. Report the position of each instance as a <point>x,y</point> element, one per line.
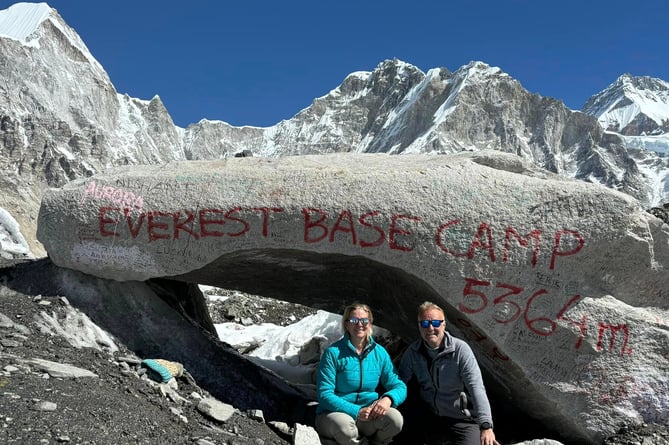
<point>347,314</point>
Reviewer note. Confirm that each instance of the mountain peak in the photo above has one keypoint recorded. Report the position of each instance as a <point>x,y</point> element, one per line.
<point>21,20</point>
<point>34,24</point>
<point>397,66</point>
<point>632,105</point>
<point>478,70</point>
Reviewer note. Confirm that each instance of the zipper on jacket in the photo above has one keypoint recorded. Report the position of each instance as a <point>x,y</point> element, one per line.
<point>357,397</point>
<point>434,375</point>
<point>430,362</point>
<point>361,357</point>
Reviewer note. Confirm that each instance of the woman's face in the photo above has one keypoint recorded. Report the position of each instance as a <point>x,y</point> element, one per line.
<point>358,330</point>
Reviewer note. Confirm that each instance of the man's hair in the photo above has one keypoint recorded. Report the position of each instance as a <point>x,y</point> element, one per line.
<point>427,305</point>
<point>347,314</point>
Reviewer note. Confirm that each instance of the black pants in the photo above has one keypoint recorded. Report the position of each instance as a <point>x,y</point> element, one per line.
<point>445,431</point>
<point>422,427</point>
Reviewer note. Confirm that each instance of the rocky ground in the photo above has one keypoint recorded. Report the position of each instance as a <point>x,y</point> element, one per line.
<point>106,397</point>
<point>117,404</point>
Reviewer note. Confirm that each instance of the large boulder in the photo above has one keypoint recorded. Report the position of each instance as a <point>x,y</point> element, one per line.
<point>560,286</point>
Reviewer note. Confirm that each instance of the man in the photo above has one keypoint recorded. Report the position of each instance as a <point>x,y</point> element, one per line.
<point>449,381</point>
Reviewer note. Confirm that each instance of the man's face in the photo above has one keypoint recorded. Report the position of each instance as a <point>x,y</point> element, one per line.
<point>433,336</point>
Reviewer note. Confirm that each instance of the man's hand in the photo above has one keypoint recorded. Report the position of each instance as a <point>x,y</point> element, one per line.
<point>488,437</point>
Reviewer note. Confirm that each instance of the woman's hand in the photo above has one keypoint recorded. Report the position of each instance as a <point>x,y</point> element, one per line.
<point>377,409</point>
<point>364,413</point>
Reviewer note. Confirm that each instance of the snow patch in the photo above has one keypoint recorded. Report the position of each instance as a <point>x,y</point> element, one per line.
<point>11,239</point>
<point>76,328</point>
<point>21,20</point>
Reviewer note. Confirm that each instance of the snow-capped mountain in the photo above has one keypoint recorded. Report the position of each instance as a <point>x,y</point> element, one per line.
<point>61,118</point>
<point>638,109</point>
<point>632,106</point>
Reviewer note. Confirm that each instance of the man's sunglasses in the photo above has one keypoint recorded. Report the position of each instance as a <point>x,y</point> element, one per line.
<point>426,323</point>
<point>355,320</point>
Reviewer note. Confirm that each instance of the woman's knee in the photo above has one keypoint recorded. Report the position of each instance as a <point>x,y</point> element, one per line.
<point>395,420</point>
<point>387,427</point>
<point>338,426</point>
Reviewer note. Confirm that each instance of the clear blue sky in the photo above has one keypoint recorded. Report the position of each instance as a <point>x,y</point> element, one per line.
<point>252,62</point>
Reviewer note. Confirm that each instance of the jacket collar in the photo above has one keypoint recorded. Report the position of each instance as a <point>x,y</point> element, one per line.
<point>370,345</point>
<point>446,346</point>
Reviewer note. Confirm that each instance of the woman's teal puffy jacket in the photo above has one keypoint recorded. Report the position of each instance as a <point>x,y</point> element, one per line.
<point>347,382</point>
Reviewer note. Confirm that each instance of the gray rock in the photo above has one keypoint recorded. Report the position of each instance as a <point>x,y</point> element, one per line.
<point>539,442</point>
<point>60,370</point>
<point>216,409</point>
<point>559,286</point>
<point>8,323</point>
<point>44,406</point>
<point>305,435</point>
<point>256,414</point>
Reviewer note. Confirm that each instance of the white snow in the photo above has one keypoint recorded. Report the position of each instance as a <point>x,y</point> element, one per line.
<point>11,238</point>
<point>279,342</point>
<point>658,144</point>
<point>21,20</point>
<point>77,329</point>
<point>653,103</point>
<point>281,345</point>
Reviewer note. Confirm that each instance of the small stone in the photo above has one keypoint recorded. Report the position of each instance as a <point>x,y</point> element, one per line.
<point>44,406</point>
<point>281,427</point>
<point>256,414</point>
<point>129,359</point>
<point>216,409</point>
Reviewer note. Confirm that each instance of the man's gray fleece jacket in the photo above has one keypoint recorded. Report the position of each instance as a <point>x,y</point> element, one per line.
<point>451,384</point>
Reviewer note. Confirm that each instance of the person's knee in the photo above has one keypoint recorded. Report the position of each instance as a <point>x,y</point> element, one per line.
<point>338,426</point>
<point>395,421</point>
<point>390,426</point>
<point>346,432</point>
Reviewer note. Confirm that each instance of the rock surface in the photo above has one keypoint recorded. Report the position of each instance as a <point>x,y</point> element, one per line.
<point>560,286</point>
<point>122,406</point>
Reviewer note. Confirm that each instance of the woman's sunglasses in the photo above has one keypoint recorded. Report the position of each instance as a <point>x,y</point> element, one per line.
<point>355,320</point>
<point>426,323</point>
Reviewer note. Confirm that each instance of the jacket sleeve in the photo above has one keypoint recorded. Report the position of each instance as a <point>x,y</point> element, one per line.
<point>405,370</point>
<point>326,387</point>
<point>395,388</point>
<point>473,381</point>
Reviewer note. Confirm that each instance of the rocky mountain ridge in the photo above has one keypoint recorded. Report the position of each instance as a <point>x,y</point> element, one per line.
<point>61,118</point>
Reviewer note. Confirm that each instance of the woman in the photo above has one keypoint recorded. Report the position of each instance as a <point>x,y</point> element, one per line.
<point>350,371</point>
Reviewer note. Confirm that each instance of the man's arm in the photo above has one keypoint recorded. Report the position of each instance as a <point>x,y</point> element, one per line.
<point>405,369</point>
<point>473,381</point>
